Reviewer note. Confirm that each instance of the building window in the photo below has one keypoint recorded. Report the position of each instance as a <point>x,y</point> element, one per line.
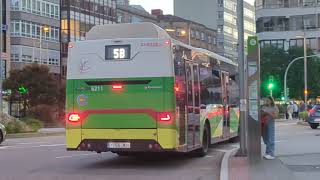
<point>209,39</point>
<point>192,33</point>
<point>37,7</point>
<point>220,14</point>
<point>197,35</point>
<point>26,58</point>
<point>15,57</point>
<point>203,36</point>
<point>214,41</point>
<point>31,29</point>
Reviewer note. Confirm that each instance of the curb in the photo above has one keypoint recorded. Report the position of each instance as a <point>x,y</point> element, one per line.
<point>303,123</point>
<point>224,171</point>
<point>28,135</point>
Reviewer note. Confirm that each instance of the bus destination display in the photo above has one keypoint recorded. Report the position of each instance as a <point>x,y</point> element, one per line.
<point>118,52</point>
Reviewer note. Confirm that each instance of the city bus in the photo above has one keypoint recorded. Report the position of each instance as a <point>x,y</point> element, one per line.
<point>133,89</point>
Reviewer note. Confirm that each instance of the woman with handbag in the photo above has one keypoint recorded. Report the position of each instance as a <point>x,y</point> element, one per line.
<point>269,112</point>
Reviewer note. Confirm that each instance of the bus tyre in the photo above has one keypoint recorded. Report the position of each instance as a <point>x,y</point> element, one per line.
<point>203,151</point>
<point>314,125</point>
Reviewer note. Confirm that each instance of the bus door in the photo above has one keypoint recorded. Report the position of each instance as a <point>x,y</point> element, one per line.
<point>193,104</point>
<point>226,108</point>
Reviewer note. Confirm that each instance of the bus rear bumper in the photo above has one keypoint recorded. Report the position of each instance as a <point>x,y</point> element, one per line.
<point>140,140</point>
<point>135,146</point>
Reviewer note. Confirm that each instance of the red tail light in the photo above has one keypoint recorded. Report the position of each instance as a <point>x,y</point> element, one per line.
<point>74,117</point>
<point>312,111</point>
<point>165,117</point>
<point>117,87</point>
<point>167,42</point>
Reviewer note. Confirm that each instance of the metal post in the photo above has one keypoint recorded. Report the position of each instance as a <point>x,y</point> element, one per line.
<point>305,69</point>
<point>286,73</point>
<point>189,34</point>
<point>40,46</point>
<point>243,81</point>
<point>1,44</point>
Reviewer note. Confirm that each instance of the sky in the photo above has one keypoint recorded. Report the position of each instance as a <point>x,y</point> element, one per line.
<point>165,5</point>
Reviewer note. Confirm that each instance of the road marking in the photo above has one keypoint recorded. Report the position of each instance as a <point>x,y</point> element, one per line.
<point>25,147</point>
<point>31,143</point>
<point>77,155</point>
<point>51,145</point>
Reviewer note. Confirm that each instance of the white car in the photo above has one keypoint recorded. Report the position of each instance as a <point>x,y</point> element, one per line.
<point>2,133</point>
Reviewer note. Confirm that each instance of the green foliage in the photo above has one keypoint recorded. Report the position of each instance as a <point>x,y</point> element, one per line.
<point>34,86</point>
<point>33,124</point>
<point>274,62</point>
<point>303,115</point>
<point>15,127</point>
<point>24,125</point>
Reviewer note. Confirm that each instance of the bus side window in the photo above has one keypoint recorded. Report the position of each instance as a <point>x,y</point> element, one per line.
<point>217,86</point>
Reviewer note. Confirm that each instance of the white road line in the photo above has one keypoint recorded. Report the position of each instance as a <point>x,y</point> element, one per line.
<point>77,155</point>
<point>51,145</point>
<point>25,147</point>
<point>31,143</point>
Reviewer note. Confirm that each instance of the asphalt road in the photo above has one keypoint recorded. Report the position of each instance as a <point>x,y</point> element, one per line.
<point>46,158</point>
<point>298,147</point>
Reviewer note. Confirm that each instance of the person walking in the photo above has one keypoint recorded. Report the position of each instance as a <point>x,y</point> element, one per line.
<point>269,112</point>
<point>290,110</point>
<point>295,110</point>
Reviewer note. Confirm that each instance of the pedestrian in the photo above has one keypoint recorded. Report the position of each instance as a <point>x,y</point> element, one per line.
<point>302,107</point>
<point>290,110</point>
<point>295,110</point>
<point>269,112</point>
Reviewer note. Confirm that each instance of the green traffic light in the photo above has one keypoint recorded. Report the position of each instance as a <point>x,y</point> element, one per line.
<point>270,86</point>
<point>23,90</point>
<point>282,98</point>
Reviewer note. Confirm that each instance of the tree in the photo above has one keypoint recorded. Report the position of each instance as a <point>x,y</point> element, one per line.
<point>41,87</point>
<point>274,61</point>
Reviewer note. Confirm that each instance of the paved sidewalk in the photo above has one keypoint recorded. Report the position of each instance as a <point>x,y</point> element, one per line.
<point>41,132</point>
<point>239,169</point>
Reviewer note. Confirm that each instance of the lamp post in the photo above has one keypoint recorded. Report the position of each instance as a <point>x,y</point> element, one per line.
<point>44,29</point>
<point>305,91</point>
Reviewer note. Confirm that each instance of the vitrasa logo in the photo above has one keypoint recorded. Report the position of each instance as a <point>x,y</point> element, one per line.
<point>153,87</point>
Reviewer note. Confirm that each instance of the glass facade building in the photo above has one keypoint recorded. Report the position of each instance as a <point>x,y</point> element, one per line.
<point>283,23</point>
<point>78,17</point>
<point>35,33</point>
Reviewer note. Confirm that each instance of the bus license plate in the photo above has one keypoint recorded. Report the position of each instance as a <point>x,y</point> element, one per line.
<point>118,145</point>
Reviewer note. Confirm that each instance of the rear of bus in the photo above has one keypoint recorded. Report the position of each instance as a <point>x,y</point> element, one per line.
<point>120,94</point>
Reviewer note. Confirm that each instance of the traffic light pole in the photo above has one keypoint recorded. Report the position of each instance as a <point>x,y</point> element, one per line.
<point>1,44</point>
<point>287,70</point>
<point>242,81</point>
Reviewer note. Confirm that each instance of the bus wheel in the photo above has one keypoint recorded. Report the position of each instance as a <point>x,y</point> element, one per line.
<point>203,151</point>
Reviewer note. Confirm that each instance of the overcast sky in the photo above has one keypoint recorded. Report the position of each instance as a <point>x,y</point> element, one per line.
<point>165,5</point>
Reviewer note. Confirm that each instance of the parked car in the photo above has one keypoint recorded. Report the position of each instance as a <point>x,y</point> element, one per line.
<point>314,116</point>
<point>2,133</point>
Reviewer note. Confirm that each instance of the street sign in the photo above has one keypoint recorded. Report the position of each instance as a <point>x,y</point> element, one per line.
<point>254,126</point>
<point>4,27</point>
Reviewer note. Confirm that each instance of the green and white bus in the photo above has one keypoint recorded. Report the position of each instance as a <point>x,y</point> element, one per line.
<point>132,89</point>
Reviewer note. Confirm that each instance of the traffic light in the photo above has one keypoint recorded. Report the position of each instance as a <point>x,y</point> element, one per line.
<point>271,86</point>
<point>23,90</point>
<point>306,92</point>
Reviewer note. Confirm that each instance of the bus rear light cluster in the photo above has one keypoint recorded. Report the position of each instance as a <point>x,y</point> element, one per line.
<point>117,87</point>
<point>165,117</point>
<point>74,117</point>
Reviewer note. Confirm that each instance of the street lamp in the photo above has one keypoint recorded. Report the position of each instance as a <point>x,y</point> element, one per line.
<point>305,66</point>
<point>182,32</point>
<point>44,29</point>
